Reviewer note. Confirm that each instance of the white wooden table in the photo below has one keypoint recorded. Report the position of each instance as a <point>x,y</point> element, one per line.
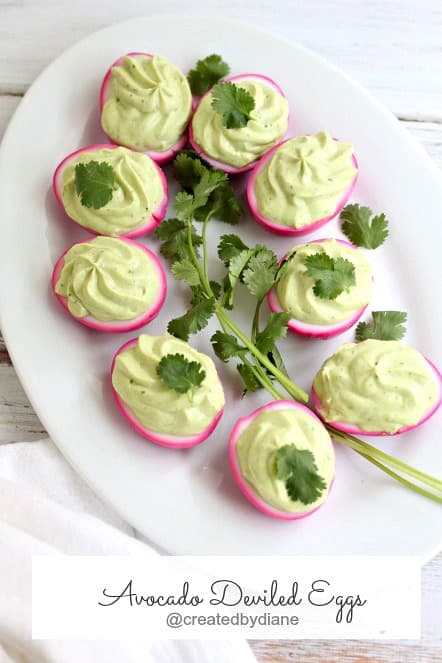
<point>393,48</point>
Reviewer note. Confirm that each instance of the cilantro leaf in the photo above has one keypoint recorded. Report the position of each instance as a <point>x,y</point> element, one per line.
<point>332,276</point>
<point>173,232</point>
<point>214,195</point>
<point>188,168</point>
<point>210,181</point>
<point>223,205</point>
<point>227,299</point>
<point>94,183</point>
<point>362,228</point>
<point>284,266</point>
<point>237,265</point>
<point>184,205</point>
<point>386,326</point>
<point>236,268</point>
<point>259,276</point>
<point>250,381</point>
<point>298,469</point>
<point>199,293</point>
<point>226,346</point>
<point>234,103</point>
<point>192,321</point>
<point>185,270</point>
<point>227,206</point>
<point>229,247</point>
<point>275,330</point>
<point>275,357</point>
<point>206,73</point>
<point>168,228</point>
<point>179,373</point>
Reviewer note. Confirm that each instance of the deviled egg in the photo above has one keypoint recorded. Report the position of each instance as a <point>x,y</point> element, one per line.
<point>301,184</point>
<point>110,284</point>
<point>154,409</point>
<point>235,150</point>
<point>145,104</point>
<point>318,316</point>
<point>136,188</point>
<point>376,388</point>
<point>282,459</point>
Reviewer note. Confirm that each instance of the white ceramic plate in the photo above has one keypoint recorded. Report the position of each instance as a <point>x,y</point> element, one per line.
<point>186,501</point>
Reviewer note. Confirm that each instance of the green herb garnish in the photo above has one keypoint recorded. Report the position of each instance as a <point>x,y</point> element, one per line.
<point>193,321</point>
<point>185,270</point>
<point>362,228</point>
<point>226,346</point>
<point>249,378</point>
<point>94,183</point>
<point>386,326</point>
<point>174,235</point>
<point>331,275</point>
<point>220,199</point>
<point>298,469</point>
<point>234,103</point>
<point>179,373</point>
<point>259,275</point>
<point>261,365</point>
<point>229,247</point>
<point>206,73</point>
<point>275,330</point>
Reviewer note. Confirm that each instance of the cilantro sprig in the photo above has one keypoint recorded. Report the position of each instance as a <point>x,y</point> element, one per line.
<point>206,73</point>
<point>174,234</point>
<point>179,373</point>
<point>94,183</point>
<point>257,357</point>
<point>385,326</point>
<point>298,469</point>
<point>234,103</point>
<point>192,173</point>
<point>331,275</point>
<point>362,228</point>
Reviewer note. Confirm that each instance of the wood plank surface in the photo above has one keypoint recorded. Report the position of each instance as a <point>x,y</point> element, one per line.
<point>392,47</point>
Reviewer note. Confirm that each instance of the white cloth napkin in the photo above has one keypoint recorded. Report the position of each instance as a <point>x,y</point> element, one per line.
<point>45,508</point>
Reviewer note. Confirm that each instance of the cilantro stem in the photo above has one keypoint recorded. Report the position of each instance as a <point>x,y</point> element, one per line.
<point>267,383</point>
<point>292,389</point>
<point>368,451</point>
<point>398,477</point>
<point>205,252</point>
<point>263,379</point>
<point>204,280</point>
<point>255,323</point>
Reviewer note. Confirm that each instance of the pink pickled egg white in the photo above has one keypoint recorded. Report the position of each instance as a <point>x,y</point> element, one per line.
<point>151,222</point>
<point>158,157</point>
<point>117,326</point>
<point>232,170</point>
<point>352,429</point>
<point>163,439</point>
<point>278,228</point>
<point>243,484</point>
<point>308,329</point>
